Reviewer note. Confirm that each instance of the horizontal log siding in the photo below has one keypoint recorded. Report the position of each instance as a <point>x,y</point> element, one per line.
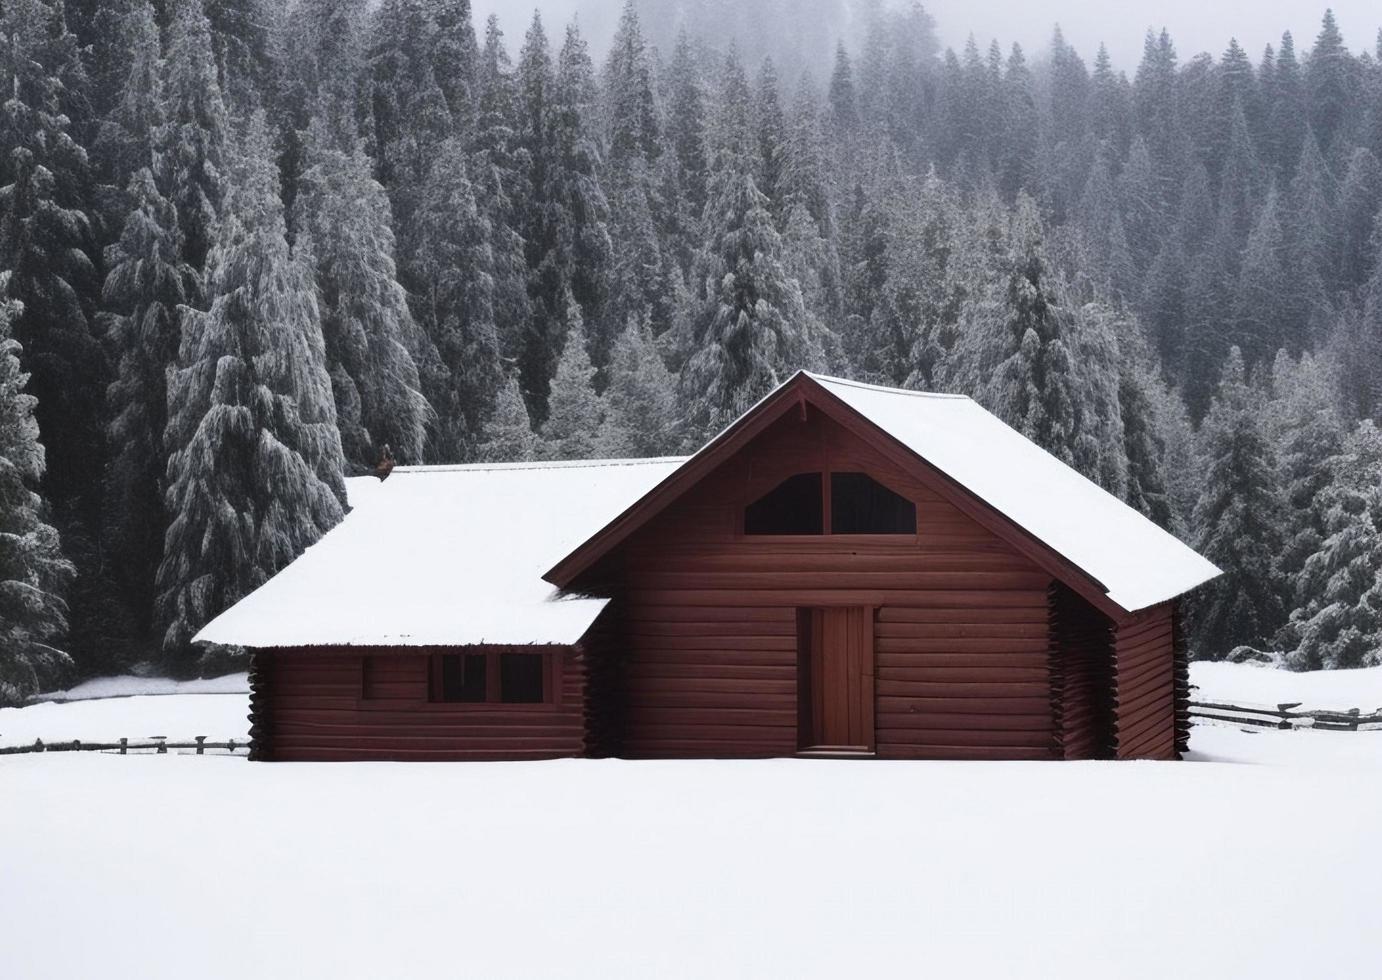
<point>1182,666</point>
<point>707,635</point>
<point>1145,686</point>
<point>312,710</point>
<point>1081,675</point>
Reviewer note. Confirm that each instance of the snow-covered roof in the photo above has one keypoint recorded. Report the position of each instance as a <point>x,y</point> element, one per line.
<point>444,555</point>
<point>1137,563</point>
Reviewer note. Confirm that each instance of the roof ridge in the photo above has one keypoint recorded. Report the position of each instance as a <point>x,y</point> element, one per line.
<point>551,464</point>
<point>884,388</point>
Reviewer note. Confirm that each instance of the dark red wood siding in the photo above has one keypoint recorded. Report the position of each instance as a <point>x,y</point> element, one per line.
<point>326,704</point>
<point>705,639</point>
<point>1146,688</point>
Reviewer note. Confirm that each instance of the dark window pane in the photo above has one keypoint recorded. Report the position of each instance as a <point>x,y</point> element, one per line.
<point>463,677</point>
<point>860,504</point>
<point>520,678</point>
<point>792,507</point>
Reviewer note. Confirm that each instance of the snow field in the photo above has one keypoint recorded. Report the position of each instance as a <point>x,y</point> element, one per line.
<point>1259,859</point>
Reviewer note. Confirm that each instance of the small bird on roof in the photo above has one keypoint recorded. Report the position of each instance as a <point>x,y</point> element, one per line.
<point>384,467</point>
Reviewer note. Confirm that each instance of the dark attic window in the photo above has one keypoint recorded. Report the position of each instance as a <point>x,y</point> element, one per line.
<point>792,507</point>
<point>860,504</point>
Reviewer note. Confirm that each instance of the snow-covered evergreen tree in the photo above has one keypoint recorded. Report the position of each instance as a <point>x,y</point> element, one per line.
<point>1338,622</point>
<point>195,131</point>
<point>752,331</point>
<point>640,400</point>
<point>497,169</point>
<point>1032,385</point>
<point>33,572</point>
<point>147,282</point>
<point>344,223</point>
<point>255,472</point>
<point>509,436</point>
<point>1238,521</point>
<point>452,279</point>
<point>576,412</point>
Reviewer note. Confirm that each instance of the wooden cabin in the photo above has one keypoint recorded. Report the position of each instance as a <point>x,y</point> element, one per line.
<point>847,570</point>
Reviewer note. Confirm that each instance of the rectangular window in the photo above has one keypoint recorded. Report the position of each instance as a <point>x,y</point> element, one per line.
<point>490,677</point>
<point>520,678</point>
<point>463,677</point>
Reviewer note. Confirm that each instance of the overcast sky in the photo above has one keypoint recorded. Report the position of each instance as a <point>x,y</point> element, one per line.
<point>1196,25</point>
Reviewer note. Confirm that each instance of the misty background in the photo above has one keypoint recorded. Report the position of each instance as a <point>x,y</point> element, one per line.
<point>1197,25</point>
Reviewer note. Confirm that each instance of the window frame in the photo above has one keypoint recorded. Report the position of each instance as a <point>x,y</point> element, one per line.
<point>827,530</point>
<point>551,679</point>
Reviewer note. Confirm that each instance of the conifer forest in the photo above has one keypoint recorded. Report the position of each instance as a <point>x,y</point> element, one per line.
<point>247,244</point>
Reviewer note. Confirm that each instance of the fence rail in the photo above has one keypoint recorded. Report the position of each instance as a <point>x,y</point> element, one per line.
<point>158,745</point>
<point>1284,715</point>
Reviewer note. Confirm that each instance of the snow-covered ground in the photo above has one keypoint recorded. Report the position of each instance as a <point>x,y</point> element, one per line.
<point>176,716</point>
<point>1260,859</point>
<point>1315,690</point>
<point>129,685</point>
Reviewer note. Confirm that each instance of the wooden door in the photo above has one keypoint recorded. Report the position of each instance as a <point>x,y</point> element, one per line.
<point>835,679</point>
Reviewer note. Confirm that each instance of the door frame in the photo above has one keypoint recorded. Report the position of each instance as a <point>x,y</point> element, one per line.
<point>809,620</point>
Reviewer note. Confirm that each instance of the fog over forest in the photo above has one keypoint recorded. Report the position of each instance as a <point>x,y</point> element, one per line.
<point>245,246</point>
<point>1196,25</point>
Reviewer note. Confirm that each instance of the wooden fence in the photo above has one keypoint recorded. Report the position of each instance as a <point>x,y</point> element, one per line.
<point>1284,716</point>
<point>158,745</point>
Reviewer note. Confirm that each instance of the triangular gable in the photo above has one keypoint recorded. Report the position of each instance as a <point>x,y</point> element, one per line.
<point>794,395</point>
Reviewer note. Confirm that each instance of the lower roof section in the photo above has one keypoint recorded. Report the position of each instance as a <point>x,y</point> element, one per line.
<point>444,555</point>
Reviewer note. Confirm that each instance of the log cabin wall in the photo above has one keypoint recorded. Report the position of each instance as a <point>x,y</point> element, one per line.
<point>327,704</point>
<point>705,647</point>
<point>1148,688</point>
<point>1082,645</point>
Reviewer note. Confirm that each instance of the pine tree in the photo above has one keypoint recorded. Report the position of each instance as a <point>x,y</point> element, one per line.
<point>1360,203</point>
<point>148,281</point>
<point>455,57</point>
<point>48,242</point>
<point>640,407</point>
<point>453,280</point>
<point>565,228</point>
<point>344,222</point>
<point>496,171</point>
<point>1306,428</point>
<point>632,123</point>
<point>686,141</point>
<point>1331,83</point>
<point>127,136</point>
<point>1238,522</point>
<point>255,474</point>
<point>509,435</point>
<point>1032,386</point>
<point>1311,221</point>
<point>33,572</point>
<point>1259,327</point>
<point>576,411</point>
<point>1145,443</point>
<point>241,32</point>
<point>752,330</point>
<point>1286,114</point>
<point>844,105</point>
<point>1338,622</point>
<point>411,117</point>
<point>195,133</point>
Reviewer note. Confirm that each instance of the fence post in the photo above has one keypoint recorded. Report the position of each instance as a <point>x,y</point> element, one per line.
<point>200,740</point>
<point>124,742</point>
